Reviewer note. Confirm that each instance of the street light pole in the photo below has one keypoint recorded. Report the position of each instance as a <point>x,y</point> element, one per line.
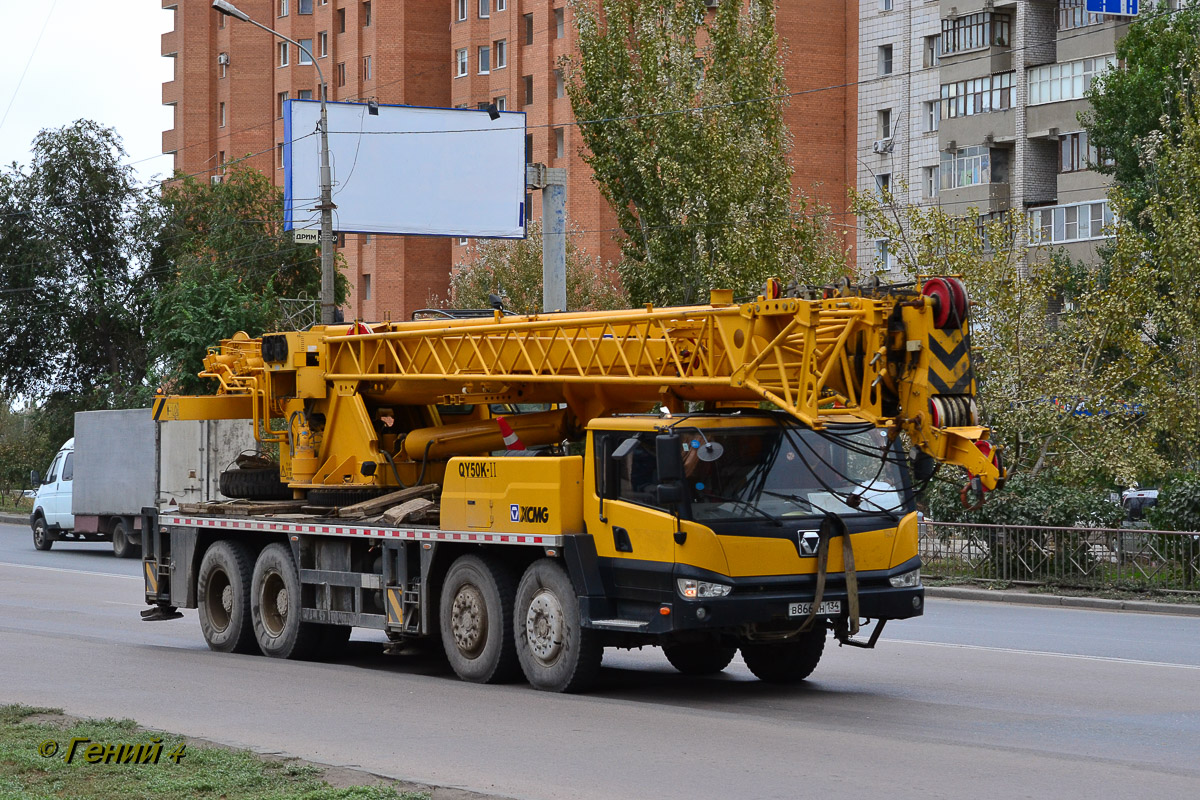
<point>326,207</point>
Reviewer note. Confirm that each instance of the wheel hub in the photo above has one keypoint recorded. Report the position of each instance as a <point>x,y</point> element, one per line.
<point>544,626</point>
<point>281,602</point>
<point>468,621</point>
<point>227,599</point>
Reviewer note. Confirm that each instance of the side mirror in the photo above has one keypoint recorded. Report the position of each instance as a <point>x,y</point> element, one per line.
<point>668,448</point>
<point>35,478</point>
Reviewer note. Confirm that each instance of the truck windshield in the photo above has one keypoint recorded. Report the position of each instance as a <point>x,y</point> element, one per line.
<point>771,472</point>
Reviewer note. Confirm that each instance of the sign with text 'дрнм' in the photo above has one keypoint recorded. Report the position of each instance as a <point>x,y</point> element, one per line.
<point>1124,8</point>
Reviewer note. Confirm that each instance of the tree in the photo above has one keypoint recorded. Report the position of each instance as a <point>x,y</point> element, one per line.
<point>513,269</point>
<point>229,262</point>
<point>703,196</point>
<point>1133,106</point>
<point>74,280</point>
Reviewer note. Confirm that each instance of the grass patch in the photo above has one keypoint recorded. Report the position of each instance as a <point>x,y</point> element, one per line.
<point>201,772</point>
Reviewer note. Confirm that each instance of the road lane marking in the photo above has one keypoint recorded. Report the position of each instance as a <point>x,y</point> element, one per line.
<point>1078,656</point>
<point>72,571</point>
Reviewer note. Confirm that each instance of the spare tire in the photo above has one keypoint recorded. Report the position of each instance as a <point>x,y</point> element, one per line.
<point>254,484</point>
<point>342,497</point>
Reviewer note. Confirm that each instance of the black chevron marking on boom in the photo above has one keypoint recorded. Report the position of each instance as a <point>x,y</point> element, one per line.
<point>949,357</point>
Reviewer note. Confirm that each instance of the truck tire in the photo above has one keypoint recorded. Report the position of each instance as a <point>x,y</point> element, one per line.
<point>785,662</point>
<point>699,658</point>
<point>43,539</point>
<point>275,607</point>
<point>557,653</point>
<point>254,484</point>
<point>336,498</point>
<point>475,615</point>
<point>123,544</point>
<point>223,598</point>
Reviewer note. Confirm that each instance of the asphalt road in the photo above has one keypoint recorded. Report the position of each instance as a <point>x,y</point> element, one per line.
<point>971,700</point>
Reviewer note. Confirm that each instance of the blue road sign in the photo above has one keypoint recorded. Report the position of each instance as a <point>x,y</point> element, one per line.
<point>1124,8</point>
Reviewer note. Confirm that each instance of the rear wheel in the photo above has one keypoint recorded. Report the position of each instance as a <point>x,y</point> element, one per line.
<point>275,607</point>
<point>223,598</point>
<point>123,544</point>
<point>476,617</point>
<point>699,658</point>
<point>557,653</point>
<point>42,538</point>
<point>789,661</point>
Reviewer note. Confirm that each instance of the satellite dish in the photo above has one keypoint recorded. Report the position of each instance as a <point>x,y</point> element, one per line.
<point>710,451</point>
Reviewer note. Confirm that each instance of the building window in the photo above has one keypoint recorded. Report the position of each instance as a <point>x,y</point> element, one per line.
<point>885,5</point>
<point>884,256</point>
<point>366,68</point>
<point>222,63</point>
<point>367,14</point>
<point>933,51</point>
<point>462,10</point>
<point>932,184</point>
<point>528,28</point>
<point>932,115</point>
<point>221,161</point>
<point>221,21</point>
<point>460,60</point>
<point>463,242</point>
<point>366,287</point>
<point>885,60</point>
<point>560,88</point>
<point>341,74</point>
<point>485,59</point>
<point>220,115</point>
<point>559,142</point>
<point>305,54</point>
<point>501,5</point>
<point>884,123</point>
<point>560,26</point>
<point>279,155</point>
<point>485,9</point>
<point>977,96</point>
<point>500,48</point>
<point>883,182</point>
<point>283,98</point>
<point>323,44</point>
<point>283,8</point>
<point>305,7</point>
<point>1073,223</point>
<point>975,31</point>
<point>970,166</point>
<point>528,155</point>
<point>304,94</point>
<point>501,103</point>
<point>1076,153</point>
<point>341,20</point>
<point>283,54</point>
<point>1074,14</point>
<point>528,81</point>
<point>1054,82</point>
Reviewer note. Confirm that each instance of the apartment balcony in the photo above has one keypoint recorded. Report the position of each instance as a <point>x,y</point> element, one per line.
<point>170,43</point>
<point>985,198</point>
<point>170,141</point>
<point>1047,120</point>
<point>997,127</point>
<point>1090,40</point>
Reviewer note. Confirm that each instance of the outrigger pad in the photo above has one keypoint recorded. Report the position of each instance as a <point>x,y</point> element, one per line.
<point>160,613</point>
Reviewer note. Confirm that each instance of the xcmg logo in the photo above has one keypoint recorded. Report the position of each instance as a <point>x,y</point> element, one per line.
<point>535,514</point>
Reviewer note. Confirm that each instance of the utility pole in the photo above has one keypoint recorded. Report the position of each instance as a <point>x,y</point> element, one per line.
<point>553,183</point>
<point>326,207</point>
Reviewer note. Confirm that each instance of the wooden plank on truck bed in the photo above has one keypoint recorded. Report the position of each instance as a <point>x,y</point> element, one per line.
<point>375,504</point>
<point>407,511</point>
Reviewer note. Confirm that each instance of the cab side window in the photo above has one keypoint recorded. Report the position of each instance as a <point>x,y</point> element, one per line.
<point>69,467</point>
<point>631,476</point>
<point>52,473</point>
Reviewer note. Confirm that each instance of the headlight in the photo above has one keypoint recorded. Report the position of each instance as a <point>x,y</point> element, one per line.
<point>694,590</point>
<point>906,580</point>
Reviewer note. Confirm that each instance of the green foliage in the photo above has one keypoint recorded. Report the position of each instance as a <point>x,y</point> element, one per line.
<point>513,269</point>
<point>1133,107</point>
<point>1178,506</point>
<point>30,437</point>
<point>704,197</point>
<point>74,276</point>
<point>230,261</point>
<point>1040,500</point>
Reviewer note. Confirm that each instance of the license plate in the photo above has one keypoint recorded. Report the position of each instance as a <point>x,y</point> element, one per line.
<point>827,608</point>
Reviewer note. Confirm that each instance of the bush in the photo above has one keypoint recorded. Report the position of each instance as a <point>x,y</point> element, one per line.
<point>1178,506</point>
<point>1040,501</point>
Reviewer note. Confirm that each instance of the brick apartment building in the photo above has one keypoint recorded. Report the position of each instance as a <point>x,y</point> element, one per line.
<point>231,79</point>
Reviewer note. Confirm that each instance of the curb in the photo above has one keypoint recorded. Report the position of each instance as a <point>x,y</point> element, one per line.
<point>1092,603</point>
<point>15,519</point>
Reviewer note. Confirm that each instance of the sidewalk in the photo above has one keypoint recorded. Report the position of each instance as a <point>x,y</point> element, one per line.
<point>8,518</point>
<point>1030,599</point>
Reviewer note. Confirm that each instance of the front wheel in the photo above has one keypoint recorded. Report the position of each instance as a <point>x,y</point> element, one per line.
<point>42,538</point>
<point>789,661</point>
<point>557,653</point>
<point>123,545</point>
<point>476,615</point>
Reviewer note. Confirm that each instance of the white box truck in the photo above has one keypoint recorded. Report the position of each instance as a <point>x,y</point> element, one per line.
<point>120,462</point>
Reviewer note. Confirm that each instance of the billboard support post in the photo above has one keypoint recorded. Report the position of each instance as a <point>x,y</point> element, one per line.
<point>326,207</point>
<point>553,183</point>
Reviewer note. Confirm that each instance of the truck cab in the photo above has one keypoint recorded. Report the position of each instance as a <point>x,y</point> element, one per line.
<point>51,514</point>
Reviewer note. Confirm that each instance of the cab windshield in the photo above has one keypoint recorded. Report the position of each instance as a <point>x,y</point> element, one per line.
<point>770,472</point>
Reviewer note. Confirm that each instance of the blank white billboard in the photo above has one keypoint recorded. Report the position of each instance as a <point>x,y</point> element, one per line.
<point>426,171</point>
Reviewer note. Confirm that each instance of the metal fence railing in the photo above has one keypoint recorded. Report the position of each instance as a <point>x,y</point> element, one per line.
<point>1082,556</point>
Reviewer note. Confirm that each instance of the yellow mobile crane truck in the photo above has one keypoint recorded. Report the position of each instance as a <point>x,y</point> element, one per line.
<point>705,478</point>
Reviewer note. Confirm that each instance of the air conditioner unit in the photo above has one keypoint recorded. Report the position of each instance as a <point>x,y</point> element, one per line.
<point>217,179</point>
<point>712,3</point>
<point>222,58</point>
<point>883,145</point>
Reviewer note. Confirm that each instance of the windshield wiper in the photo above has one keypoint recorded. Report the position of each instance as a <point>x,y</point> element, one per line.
<point>795,498</point>
<point>745,504</point>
